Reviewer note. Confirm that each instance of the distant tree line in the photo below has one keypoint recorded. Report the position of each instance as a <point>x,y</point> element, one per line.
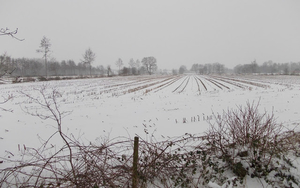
<point>36,67</point>
<point>209,68</point>
<point>30,67</point>
<point>148,65</point>
<point>269,67</point>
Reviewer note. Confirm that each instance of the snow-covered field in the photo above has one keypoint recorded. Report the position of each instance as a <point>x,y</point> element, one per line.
<point>149,106</point>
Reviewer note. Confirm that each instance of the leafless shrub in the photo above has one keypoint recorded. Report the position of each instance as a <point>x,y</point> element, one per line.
<point>72,165</point>
<point>247,142</point>
<point>92,166</point>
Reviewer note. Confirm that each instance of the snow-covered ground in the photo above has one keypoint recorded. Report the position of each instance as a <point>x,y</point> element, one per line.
<point>162,106</point>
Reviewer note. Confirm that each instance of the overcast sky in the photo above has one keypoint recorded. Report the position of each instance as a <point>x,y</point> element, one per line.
<point>175,32</point>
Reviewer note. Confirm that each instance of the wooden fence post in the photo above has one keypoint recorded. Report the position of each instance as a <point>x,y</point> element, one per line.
<point>135,162</point>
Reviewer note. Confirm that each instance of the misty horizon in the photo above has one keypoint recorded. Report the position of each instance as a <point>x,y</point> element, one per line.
<point>175,33</point>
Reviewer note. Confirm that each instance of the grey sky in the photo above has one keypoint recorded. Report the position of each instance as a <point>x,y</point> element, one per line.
<point>175,32</point>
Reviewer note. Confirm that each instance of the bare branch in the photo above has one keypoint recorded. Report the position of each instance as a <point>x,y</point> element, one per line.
<point>6,31</point>
<point>5,100</point>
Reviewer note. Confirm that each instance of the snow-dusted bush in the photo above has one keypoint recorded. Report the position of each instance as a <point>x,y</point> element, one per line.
<point>246,142</point>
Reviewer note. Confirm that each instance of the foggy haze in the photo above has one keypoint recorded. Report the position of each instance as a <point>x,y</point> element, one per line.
<point>174,32</point>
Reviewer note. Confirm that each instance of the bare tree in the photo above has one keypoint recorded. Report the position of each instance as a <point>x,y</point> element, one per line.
<point>150,64</point>
<point>132,66</point>
<point>6,66</point>
<point>6,31</point>
<point>119,63</point>
<point>108,70</point>
<point>131,63</point>
<point>138,65</point>
<point>88,57</point>
<point>45,50</point>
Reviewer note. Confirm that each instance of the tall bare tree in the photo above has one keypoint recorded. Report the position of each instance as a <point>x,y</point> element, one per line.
<point>119,63</point>
<point>132,69</point>
<point>88,57</point>
<point>45,50</point>
<point>138,65</point>
<point>131,63</point>
<point>6,31</point>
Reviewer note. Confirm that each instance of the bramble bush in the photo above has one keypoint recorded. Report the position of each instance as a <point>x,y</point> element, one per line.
<point>247,142</point>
